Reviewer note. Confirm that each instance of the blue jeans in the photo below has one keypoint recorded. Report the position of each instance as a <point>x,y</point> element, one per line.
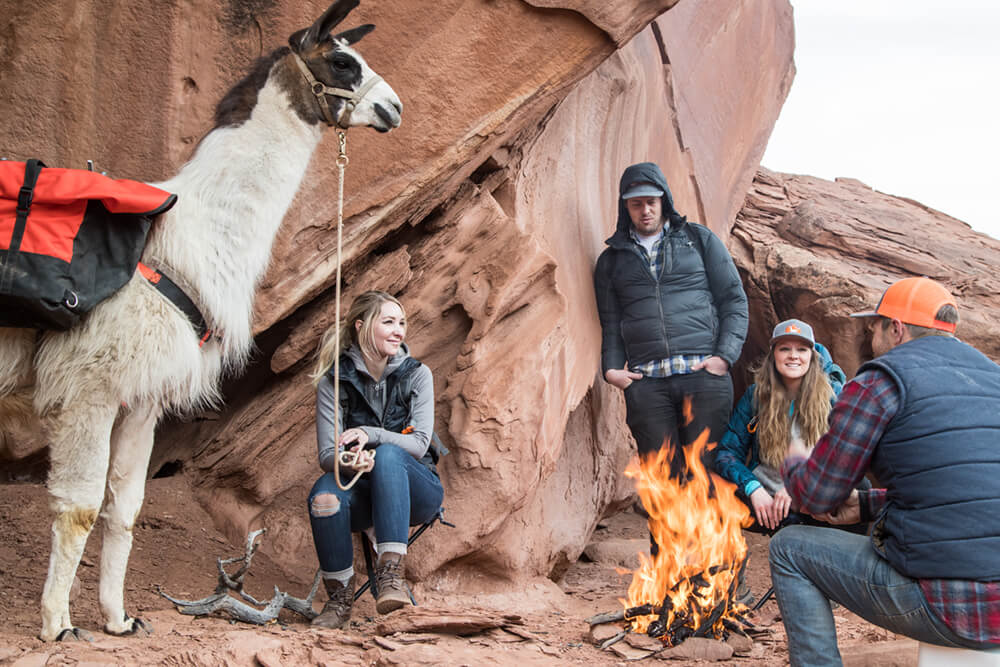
<point>811,566</point>
<point>398,493</point>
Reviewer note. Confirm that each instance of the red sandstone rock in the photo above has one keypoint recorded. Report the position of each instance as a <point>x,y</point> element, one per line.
<point>820,250</point>
<point>485,212</point>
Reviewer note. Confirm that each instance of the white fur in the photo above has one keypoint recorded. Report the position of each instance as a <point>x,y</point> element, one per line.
<point>100,388</point>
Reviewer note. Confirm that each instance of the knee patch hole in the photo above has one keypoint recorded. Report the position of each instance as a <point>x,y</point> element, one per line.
<point>325,504</point>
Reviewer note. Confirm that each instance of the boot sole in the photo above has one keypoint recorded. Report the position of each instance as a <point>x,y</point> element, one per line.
<point>389,605</point>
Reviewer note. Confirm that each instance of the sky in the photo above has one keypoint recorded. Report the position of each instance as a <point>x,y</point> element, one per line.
<point>903,95</point>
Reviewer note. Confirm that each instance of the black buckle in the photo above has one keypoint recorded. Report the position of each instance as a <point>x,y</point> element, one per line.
<point>24,197</point>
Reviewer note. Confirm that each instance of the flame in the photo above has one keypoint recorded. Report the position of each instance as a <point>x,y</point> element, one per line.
<point>696,523</point>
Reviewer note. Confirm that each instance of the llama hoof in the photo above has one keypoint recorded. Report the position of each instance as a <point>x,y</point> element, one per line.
<point>138,628</point>
<point>74,635</point>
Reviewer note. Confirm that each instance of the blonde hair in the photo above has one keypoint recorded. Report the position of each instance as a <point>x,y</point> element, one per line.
<point>366,309</point>
<point>772,403</point>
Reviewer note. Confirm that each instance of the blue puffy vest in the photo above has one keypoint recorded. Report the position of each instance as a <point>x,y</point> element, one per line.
<point>939,460</point>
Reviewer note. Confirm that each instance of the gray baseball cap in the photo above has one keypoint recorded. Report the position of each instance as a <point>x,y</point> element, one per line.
<point>794,329</point>
<point>642,189</point>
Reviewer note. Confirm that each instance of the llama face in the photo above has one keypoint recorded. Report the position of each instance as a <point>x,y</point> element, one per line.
<point>334,64</point>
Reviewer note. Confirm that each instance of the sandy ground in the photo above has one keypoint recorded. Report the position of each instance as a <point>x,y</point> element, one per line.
<point>176,546</point>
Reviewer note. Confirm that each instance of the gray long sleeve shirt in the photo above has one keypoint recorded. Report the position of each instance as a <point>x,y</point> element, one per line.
<point>421,410</point>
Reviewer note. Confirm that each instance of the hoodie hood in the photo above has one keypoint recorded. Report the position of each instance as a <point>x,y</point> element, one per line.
<point>834,372</point>
<point>648,172</point>
<point>354,353</point>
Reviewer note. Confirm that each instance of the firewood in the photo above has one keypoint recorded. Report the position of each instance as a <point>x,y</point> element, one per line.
<point>608,617</point>
<point>611,641</point>
<point>603,632</point>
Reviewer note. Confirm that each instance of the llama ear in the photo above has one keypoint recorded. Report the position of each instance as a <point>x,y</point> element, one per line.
<point>353,35</point>
<point>318,31</point>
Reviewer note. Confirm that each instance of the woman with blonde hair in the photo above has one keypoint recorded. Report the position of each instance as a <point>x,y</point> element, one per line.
<point>795,388</point>
<point>386,404</point>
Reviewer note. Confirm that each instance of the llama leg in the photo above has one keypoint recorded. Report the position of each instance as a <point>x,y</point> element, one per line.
<point>78,450</point>
<point>18,423</point>
<point>131,446</point>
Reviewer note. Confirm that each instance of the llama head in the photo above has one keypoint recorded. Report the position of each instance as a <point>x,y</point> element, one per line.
<point>347,92</point>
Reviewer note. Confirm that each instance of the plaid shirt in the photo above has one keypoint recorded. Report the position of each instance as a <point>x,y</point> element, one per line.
<point>677,365</point>
<point>823,482</point>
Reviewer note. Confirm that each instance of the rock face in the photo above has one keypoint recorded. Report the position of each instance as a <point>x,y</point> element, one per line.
<point>820,250</point>
<point>484,213</point>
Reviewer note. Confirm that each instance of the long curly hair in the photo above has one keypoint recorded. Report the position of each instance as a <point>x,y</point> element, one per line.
<point>365,309</point>
<point>773,402</point>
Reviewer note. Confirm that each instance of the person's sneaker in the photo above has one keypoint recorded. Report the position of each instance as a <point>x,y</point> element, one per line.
<point>390,581</point>
<point>337,611</point>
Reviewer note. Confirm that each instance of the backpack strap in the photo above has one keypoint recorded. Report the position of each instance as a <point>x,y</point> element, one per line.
<point>437,447</point>
<point>695,238</point>
<point>168,288</point>
<point>32,168</point>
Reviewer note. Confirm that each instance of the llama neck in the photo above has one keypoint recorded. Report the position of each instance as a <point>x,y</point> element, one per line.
<point>232,196</point>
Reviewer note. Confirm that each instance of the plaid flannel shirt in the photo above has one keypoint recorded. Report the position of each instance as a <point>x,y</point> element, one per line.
<point>840,459</point>
<point>677,365</point>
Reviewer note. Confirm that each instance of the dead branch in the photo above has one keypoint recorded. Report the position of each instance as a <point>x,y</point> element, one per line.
<point>220,600</point>
<point>614,640</point>
<point>607,617</point>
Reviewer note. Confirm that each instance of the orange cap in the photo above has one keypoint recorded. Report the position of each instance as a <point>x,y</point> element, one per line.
<point>914,301</point>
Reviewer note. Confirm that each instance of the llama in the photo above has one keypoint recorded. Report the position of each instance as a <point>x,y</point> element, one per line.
<point>100,387</point>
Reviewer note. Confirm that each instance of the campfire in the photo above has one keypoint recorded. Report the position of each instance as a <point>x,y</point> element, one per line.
<point>686,590</point>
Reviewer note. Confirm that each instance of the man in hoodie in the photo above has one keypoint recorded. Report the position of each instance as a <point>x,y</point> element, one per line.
<point>673,317</point>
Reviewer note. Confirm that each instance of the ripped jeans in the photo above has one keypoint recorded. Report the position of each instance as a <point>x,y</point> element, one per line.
<point>398,493</point>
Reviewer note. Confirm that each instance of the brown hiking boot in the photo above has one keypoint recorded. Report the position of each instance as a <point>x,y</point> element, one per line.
<point>337,611</point>
<point>390,580</point>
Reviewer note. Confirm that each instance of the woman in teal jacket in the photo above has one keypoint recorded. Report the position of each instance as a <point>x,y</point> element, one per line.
<point>795,387</point>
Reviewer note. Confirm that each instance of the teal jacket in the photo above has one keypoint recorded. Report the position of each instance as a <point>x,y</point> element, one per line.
<point>738,453</point>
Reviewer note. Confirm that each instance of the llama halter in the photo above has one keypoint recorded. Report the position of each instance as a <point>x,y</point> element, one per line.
<point>321,90</point>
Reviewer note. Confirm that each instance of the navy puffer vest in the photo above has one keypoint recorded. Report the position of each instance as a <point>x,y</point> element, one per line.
<point>358,412</point>
<point>939,460</point>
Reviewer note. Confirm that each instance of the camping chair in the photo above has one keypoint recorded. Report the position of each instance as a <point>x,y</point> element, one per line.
<point>366,549</point>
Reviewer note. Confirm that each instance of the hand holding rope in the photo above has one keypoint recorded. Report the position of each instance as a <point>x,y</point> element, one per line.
<point>357,458</point>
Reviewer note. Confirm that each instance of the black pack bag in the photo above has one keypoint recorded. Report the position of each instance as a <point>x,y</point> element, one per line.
<point>69,238</point>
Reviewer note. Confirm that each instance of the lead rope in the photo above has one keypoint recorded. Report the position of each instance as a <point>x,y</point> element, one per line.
<point>364,460</point>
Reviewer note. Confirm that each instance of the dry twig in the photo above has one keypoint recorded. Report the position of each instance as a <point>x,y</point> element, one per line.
<point>241,611</point>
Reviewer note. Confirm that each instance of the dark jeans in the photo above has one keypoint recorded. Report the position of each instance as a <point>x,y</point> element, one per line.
<point>655,412</point>
<point>398,493</point>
